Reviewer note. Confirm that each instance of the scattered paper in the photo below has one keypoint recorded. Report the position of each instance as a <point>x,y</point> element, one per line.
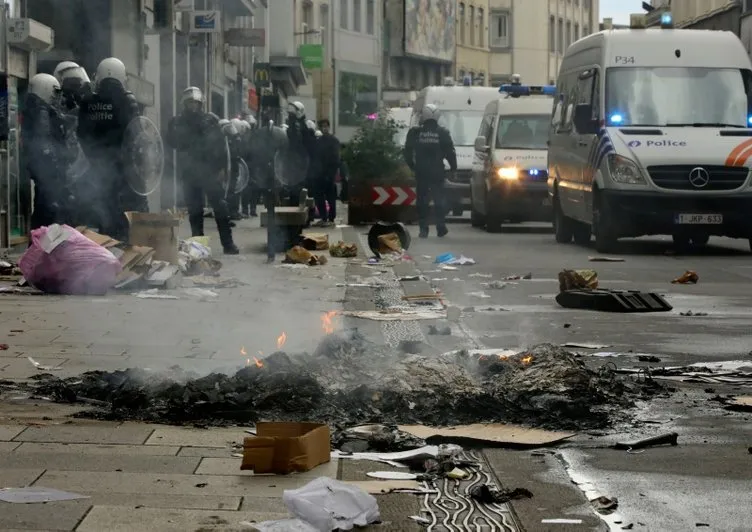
<point>201,293</point>
<point>561,521</point>
<point>483,275</point>
<point>462,261</point>
<point>392,475</point>
<point>585,346</point>
<point>496,285</point>
<point>448,268</point>
<point>42,367</point>
<point>280,525</point>
<point>293,266</point>
<point>405,315</point>
<point>605,259</point>
<point>393,459</point>
<point>481,295</point>
<point>37,495</point>
<point>499,433</point>
<point>154,293</point>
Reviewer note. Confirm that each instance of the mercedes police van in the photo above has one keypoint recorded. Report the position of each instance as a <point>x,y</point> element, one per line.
<point>650,134</point>
<point>402,116</point>
<point>510,159</point>
<point>461,111</point>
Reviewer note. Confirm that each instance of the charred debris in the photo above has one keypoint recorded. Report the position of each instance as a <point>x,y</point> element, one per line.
<point>348,381</point>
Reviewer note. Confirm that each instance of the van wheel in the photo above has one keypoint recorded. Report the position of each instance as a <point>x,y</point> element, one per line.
<point>476,218</point>
<point>582,234</point>
<point>682,242</point>
<point>562,225</point>
<point>603,227</point>
<point>494,220</point>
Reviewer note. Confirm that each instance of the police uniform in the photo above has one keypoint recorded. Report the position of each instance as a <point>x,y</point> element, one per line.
<point>202,161</point>
<point>426,148</point>
<point>103,118</point>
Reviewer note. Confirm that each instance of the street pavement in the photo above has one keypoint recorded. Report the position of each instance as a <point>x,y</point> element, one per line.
<point>146,477</point>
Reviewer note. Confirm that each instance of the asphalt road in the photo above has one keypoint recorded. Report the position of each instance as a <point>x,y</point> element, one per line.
<point>707,479</point>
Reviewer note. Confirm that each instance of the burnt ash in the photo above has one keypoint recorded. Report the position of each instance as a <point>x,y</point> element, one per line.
<point>348,381</point>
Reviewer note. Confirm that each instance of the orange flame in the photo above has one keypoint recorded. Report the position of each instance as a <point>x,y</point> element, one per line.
<point>503,357</point>
<point>281,340</point>
<point>326,321</point>
<point>258,363</point>
<point>528,359</point>
<point>244,353</point>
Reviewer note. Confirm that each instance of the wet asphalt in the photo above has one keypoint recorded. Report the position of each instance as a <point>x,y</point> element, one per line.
<point>702,484</point>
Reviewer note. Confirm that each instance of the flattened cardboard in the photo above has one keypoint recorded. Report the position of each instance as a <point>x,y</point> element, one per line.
<point>496,433</point>
<point>286,447</point>
<point>157,231</point>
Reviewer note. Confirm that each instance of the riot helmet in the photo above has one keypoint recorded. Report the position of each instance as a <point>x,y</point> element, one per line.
<point>192,100</point>
<point>46,88</point>
<point>252,122</point>
<point>241,126</point>
<point>296,110</point>
<point>111,71</point>
<point>318,133</point>
<point>429,112</point>
<point>75,83</point>
<point>61,67</point>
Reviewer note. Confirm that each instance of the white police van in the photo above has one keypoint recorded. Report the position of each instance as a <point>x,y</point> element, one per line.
<point>511,158</point>
<point>650,134</point>
<point>461,111</point>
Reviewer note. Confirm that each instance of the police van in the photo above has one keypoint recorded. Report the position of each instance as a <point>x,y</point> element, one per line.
<point>401,116</point>
<point>461,111</point>
<point>511,158</point>
<point>650,134</point>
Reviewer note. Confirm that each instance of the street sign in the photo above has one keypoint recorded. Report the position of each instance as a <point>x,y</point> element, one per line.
<point>205,21</point>
<point>393,195</point>
<point>262,75</point>
<point>312,56</point>
<point>245,37</point>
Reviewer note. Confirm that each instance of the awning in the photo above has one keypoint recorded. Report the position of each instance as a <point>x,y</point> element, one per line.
<point>288,73</point>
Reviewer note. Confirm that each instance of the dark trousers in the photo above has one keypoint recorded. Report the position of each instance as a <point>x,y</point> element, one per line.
<point>326,191</point>
<point>427,190</point>
<point>250,200</point>
<point>46,211</point>
<point>194,198</point>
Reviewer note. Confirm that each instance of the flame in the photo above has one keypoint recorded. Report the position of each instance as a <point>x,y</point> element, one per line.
<point>244,353</point>
<point>503,357</point>
<point>281,340</point>
<point>528,359</point>
<point>258,363</point>
<point>326,321</point>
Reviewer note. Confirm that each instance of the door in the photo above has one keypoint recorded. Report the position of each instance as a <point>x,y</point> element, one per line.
<point>562,166</point>
<point>481,163</point>
<point>587,150</point>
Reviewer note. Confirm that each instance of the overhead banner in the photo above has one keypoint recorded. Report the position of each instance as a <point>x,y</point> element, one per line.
<point>430,28</point>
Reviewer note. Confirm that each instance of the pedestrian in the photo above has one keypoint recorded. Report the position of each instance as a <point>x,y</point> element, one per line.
<point>202,159</point>
<point>102,122</point>
<point>325,188</point>
<point>426,148</point>
<point>45,150</point>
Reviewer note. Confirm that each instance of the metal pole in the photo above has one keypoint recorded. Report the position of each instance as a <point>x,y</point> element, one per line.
<point>6,163</point>
<point>174,113</point>
<point>271,201</point>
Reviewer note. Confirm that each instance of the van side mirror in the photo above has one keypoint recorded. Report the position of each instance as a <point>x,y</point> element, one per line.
<point>480,144</point>
<point>583,119</point>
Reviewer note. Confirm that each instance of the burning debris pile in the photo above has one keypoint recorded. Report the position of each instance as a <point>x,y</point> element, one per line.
<point>349,381</point>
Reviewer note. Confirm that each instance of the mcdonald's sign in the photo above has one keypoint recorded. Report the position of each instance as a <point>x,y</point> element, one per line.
<point>262,75</point>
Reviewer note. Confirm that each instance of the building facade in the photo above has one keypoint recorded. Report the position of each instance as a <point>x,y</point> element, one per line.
<point>473,40</point>
<point>518,46</point>
<point>690,13</point>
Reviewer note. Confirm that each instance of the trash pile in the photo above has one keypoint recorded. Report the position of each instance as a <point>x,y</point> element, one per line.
<point>350,381</point>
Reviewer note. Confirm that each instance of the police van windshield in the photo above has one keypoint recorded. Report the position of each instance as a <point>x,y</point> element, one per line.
<point>523,132</point>
<point>677,96</point>
<point>462,125</point>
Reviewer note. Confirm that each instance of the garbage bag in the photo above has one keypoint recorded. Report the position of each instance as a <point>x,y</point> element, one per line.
<point>61,260</point>
<point>329,504</point>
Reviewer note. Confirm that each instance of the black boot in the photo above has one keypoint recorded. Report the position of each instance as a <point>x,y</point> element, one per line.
<point>225,237</point>
<point>423,232</point>
<point>442,230</point>
<point>197,224</point>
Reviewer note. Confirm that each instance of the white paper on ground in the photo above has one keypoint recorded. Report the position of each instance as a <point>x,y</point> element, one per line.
<point>153,293</point>
<point>42,367</point>
<point>36,495</point>
<point>562,521</point>
<point>393,459</point>
<point>281,525</point>
<point>329,504</point>
<point>392,475</point>
<point>585,346</point>
<point>395,316</point>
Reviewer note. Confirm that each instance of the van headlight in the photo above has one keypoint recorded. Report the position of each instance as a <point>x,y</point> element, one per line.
<point>624,170</point>
<point>508,173</point>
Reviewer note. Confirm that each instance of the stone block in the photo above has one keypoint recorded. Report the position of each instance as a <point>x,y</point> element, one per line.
<point>101,462</point>
<point>96,449</point>
<point>175,502</point>
<point>8,432</point>
<point>8,446</point>
<point>62,515</point>
<point>205,452</point>
<point>19,478</point>
<point>126,433</point>
<point>231,466</point>
<point>185,436</point>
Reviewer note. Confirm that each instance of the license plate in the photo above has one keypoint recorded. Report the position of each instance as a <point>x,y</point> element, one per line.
<point>699,219</point>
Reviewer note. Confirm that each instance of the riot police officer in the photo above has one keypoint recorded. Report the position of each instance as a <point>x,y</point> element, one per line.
<point>102,122</point>
<point>45,150</point>
<point>301,151</point>
<point>426,148</point>
<point>74,82</point>
<point>202,160</point>
<point>251,195</point>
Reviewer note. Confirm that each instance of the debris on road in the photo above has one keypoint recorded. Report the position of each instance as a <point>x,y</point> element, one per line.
<point>691,313</point>
<point>605,259</point>
<point>585,346</point>
<point>300,255</point>
<point>281,448</point>
<point>491,495</point>
<point>605,505</point>
<point>383,228</point>
<point>481,275</point>
<point>343,250</point>
<point>43,367</point>
<point>315,241</point>
<point>448,259</point>
<point>444,331</point>
<point>496,285</point>
<point>395,315</point>
<point>648,358</point>
<point>577,280</point>
<point>350,381</point>
<point>154,293</point>
<point>525,277</point>
<point>665,439</point>
<point>608,300</point>
<point>688,277</point>
<point>740,404</point>
<point>491,433</point>
<point>561,521</point>
<point>481,295</point>
<point>37,494</point>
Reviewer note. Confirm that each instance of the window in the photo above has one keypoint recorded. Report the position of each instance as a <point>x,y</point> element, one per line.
<point>462,23</point>
<point>560,48</point>
<point>462,74</point>
<point>344,14</point>
<point>486,127</point>
<point>499,30</point>
<point>307,23</point>
<point>472,25</point>
<point>481,27</point>
<point>463,125</point>
<point>552,35</point>
<point>357,14</point>
<point>585,31</point>
<point>576,32</point>
<point>370,17</point>
<point>747,6</point>
<point>569,33</point>
<point>523,132</point>
<point>323,27</point>
<point>586,4</point>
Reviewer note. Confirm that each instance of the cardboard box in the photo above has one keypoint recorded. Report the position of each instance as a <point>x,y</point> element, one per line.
<point>157,231</point>
<point>286,447</point>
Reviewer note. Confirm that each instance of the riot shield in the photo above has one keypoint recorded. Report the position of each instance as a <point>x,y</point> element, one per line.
<point>242,177</point>
<point>143,156</point>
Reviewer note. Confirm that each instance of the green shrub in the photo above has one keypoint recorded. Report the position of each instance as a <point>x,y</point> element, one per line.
<point>372,153</point>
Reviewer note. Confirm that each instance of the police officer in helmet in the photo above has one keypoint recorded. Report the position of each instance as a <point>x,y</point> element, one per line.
<point>426,148</point>
<point>198,138</point>
<point>75,83</point>
<point>302,149</point>
<point>103,119</point>
<point>45,150</point>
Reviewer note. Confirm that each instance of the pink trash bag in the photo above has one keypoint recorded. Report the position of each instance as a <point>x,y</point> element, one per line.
<point>61,260</point>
